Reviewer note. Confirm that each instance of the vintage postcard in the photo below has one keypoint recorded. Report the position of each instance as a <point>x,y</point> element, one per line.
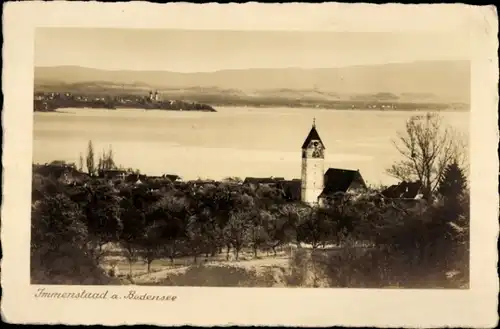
<point>298,165</point>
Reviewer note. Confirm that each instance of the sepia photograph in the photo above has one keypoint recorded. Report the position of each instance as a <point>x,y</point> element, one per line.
<point>250,158</point>
<point>206,165</point>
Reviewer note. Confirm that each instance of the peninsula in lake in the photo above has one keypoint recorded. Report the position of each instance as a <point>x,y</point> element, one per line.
<point>52,101</point>
<point>424,85</point>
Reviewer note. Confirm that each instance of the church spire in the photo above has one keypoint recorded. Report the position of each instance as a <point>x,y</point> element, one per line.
<point>313,135</point>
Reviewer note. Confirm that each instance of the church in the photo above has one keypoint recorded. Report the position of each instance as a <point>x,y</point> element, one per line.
<point>317,186</point>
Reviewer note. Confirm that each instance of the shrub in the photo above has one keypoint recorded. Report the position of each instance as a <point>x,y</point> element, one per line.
<point>58,245</point>
<point>299,267</point>
<point>218,276</point>
<point>68,265</point>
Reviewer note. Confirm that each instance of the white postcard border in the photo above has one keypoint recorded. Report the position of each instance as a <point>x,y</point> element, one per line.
<point>475,307</point>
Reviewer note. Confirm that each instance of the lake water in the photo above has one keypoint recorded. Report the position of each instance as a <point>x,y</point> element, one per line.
<point>255,142</point>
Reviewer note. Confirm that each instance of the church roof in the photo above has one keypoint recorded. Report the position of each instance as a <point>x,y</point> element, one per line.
<point>339,180</point>
<point>313,134</point>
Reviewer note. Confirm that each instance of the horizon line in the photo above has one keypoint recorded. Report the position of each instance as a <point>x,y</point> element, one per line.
<point>253,68</point>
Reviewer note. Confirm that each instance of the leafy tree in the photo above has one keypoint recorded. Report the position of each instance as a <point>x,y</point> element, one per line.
<point>210,210</point>
<point>198,231</point>
<point>167,217</point>
<point>236,230</point>
<point>282,228</point>
<point>258,231</point>
<point>58,244</point>
<point>56,220</point>
<point>455,199</point>
<point>102,210</point>
<point>268,197</point>
<point>140,235</point>
<point>45,186</point>
<point>453,182</point>
<point>133,231</point>
<point>209,207</point>
<point>314,228</point>
<point>428,146</point>
<point>153,242</point>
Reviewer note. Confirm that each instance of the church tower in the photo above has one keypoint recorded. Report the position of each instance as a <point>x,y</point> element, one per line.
<point>313,172</point>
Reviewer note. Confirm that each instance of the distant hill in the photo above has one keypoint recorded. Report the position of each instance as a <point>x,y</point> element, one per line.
<point>426,81</point>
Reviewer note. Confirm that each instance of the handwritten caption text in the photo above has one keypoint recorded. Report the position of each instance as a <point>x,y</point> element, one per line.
<point>85,294</point>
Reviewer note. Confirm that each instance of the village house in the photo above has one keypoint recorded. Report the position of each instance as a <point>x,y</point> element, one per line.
<point>203,182</point>
<point>269,181</point>
<point>405,195</point>
<point>173,178</point>
<point>113,174</point>
<point>135,178</point>
<point>403,190</point>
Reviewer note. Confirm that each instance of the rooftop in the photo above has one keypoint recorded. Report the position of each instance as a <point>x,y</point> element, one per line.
<point>339,180</point>
<point>313,135</point>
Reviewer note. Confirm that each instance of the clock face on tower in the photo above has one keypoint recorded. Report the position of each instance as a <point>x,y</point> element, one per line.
<point>317,150</point>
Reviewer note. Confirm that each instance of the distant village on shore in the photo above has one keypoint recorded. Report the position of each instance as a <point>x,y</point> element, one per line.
<point>51,101</point>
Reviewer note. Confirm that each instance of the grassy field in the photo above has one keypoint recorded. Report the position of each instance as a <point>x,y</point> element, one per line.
<point>356,267</point>
<point>266,270</point>
<point>163,269</point>
<point>140,267</point>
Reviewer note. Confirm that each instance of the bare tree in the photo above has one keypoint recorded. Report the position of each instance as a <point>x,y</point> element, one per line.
<point>90,159</point>
<point>428,146</point>
<point>106,161</point>
<point>109,161</point>
<point>80,162</point>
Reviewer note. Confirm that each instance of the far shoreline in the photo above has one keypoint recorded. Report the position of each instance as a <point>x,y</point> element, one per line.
<point>268,107</point>
<point>305,107</point>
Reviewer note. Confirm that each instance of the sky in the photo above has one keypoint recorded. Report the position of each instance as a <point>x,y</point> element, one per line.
<point>208,51</point>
